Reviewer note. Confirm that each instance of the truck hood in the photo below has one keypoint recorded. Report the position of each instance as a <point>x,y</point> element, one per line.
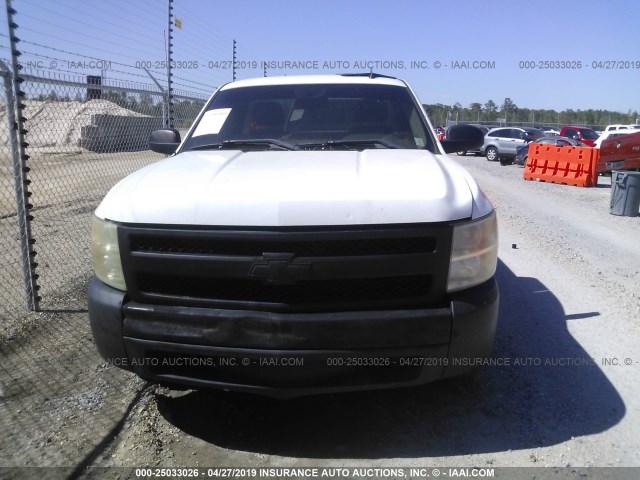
<point>292,188</point>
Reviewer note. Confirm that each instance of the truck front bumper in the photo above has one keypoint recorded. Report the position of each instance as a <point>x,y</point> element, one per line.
<point>287,355</point>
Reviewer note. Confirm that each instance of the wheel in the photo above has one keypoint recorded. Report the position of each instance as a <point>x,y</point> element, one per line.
<point>492,154</point>
<point>524,162</point>
<point>462,153</point>
<point>504,161</point>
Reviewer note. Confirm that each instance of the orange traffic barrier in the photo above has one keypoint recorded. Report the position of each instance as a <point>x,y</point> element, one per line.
<point>565,165</point>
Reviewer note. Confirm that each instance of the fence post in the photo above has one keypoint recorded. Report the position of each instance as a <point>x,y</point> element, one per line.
<point>233,64</point>
<point>165,103</point>
<point>169,62</point>
<point>17,131</point>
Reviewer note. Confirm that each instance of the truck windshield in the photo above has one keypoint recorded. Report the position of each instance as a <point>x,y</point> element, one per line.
<point>589,134</point>
<point>312,117</point>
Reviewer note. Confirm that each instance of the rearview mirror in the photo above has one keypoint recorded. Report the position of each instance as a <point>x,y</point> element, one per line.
<point>461,138</point>
<point>164,141</point>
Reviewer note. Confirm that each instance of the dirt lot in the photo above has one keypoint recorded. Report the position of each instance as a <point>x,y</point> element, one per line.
<point>565,395</point>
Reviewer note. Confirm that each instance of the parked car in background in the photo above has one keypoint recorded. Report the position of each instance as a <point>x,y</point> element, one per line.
<point>477,151</point>
<point>582,134</point>
<point>522,152</point>
<point>614,133</point>
<point>502,142</point>
<point>610,128</point>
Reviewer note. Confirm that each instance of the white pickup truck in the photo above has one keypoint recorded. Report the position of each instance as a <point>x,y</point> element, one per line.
<point>308,235</point>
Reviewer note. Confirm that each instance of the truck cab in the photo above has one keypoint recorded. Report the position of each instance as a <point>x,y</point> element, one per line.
<point>582,134</point>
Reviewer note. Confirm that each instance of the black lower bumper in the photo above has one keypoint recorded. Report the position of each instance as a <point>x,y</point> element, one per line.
<point>286,355</point>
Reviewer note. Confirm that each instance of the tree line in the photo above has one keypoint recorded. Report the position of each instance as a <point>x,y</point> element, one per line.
<point>487,113</point>
<point>490,112</point>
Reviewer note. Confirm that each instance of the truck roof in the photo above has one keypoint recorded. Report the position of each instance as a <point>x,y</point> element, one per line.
<point>317,79</point>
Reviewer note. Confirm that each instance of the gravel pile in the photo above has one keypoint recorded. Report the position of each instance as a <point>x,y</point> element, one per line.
<point>67,117</point>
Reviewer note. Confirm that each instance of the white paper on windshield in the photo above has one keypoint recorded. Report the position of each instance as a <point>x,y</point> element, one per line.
<point>212,121</point>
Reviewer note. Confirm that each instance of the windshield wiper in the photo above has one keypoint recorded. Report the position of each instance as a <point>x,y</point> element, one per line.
<point>235,144</point>
<point>355,144</point>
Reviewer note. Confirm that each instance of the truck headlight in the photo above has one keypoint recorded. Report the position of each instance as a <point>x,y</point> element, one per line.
<point>474,253</point>
<point>106,253</point>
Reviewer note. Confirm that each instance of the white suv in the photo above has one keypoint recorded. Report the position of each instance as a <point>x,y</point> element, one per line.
<point>614,133</point>
<point>309,234</point>
<point>621,127</point>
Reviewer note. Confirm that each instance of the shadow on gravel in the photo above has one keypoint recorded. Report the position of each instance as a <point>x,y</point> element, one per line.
<point>603,181</point>
<point>546,391</point>
<point>60,403</point>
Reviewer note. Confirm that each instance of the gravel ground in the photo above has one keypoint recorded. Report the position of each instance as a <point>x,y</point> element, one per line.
<point>563,395</point>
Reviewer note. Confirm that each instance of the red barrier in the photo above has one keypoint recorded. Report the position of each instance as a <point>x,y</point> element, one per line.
<point>565,165</point>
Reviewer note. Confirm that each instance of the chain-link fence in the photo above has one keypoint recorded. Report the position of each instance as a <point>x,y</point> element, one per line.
<point>81,87</point>
<point>82,138</point>
<point>68,134</point>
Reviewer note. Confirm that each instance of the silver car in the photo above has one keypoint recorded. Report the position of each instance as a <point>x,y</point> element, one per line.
<point>502,142</point>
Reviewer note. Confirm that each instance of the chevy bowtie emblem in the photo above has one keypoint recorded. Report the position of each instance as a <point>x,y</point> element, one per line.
<point>278,269</point>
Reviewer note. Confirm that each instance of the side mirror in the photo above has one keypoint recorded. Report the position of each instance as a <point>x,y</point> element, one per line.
<point>164,141</point>
<point>461,138</point>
